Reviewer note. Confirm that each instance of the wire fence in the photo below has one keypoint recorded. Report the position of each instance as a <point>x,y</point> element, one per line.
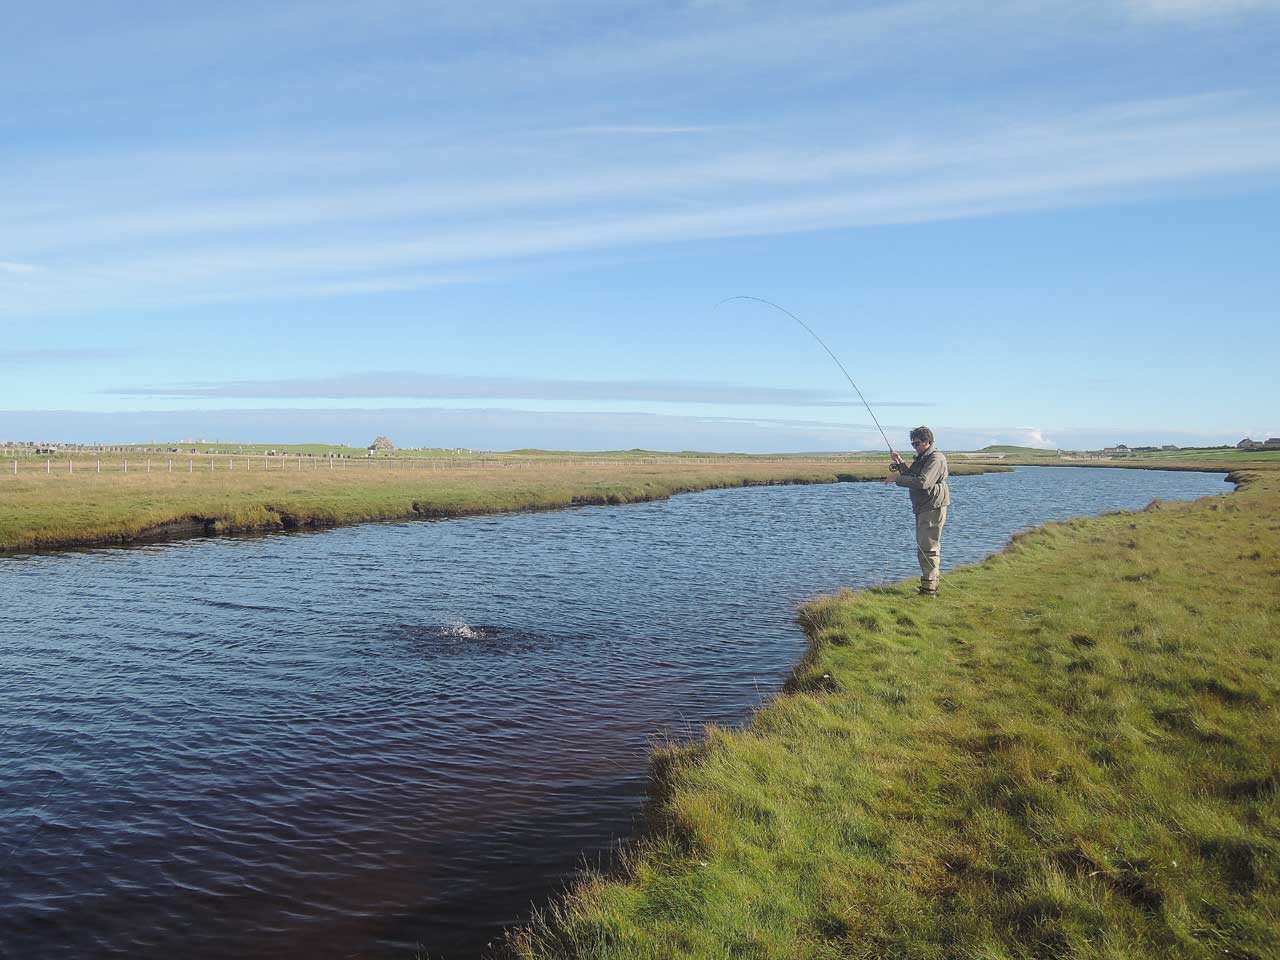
<point>35,465</point>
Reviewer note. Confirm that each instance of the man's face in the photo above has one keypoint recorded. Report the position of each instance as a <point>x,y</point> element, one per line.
<point>919,446</point>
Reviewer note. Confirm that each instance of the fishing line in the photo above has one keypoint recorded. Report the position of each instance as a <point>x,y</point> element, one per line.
<point>829,353</point>
<point>824,346</point>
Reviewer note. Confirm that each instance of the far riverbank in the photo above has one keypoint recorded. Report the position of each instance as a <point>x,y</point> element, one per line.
<point>64,509</point>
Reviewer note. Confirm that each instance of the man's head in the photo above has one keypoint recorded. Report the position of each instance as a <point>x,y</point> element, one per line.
<point>921,439</point>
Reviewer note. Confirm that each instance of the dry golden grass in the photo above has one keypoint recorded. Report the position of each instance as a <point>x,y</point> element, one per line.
<point>48,510</point>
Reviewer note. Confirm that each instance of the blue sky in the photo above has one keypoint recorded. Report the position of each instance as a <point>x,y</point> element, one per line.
<point>509,224</point>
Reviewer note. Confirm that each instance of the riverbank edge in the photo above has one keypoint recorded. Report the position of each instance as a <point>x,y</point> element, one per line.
<point>555,931</point>
<point>272,517</point>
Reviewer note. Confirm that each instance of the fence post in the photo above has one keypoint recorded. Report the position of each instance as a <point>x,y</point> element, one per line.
<point>15,468</point>
<point>98,464</point>
<point>171,464</point>
<point>71,466</point>
<point>191,466</point>
<point>126,464</point>
<point>48,466</point>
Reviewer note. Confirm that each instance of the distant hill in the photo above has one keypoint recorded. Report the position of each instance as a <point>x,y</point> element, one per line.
<point>1019,451</point>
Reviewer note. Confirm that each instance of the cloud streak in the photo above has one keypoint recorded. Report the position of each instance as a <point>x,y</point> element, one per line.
<point>494,428</point>
<point>46,355</point>
<point>1197,9</point>
<point>407,384</point>
<point>376,238</point>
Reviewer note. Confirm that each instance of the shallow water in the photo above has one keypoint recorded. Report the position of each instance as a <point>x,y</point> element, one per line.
<point>352,742</point>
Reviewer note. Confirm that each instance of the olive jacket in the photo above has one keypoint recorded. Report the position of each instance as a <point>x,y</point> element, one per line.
<point>926,479</point>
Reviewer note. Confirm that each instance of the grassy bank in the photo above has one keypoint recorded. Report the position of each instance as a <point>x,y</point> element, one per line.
<point>1073,752</point>
<point>1217,456</point>
<point>59,509</point>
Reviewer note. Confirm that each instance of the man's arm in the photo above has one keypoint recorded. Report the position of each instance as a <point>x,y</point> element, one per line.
<point>927,479</point>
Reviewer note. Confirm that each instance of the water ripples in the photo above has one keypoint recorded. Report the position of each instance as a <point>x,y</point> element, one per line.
<point>351,742</point>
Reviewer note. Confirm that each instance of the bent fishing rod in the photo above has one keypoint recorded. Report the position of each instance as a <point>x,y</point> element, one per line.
<point>822,343</point>
<point>824,346</point>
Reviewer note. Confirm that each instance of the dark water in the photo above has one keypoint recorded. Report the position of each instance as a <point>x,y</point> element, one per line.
<point>348,743</point>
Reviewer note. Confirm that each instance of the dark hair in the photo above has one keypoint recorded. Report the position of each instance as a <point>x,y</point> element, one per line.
<point>922,433</point>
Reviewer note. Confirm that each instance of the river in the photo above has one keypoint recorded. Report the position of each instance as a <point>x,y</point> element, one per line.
<point>361,741</point>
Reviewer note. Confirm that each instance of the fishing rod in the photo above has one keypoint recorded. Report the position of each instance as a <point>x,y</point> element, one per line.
<point>811,332</point>
<point>829,353</point>
<point>824,346</point>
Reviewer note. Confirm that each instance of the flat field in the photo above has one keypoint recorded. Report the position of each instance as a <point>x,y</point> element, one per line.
<point>1073,752</point>
<point>67,502</point>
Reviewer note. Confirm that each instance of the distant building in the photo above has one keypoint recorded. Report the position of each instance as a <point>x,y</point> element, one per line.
<point>1247,444</point>
<point>381,445</point>
<point>1272,442</point>
<point>1169,446</point>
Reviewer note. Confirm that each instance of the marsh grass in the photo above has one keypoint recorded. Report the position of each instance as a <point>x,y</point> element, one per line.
<point>1076,754</point>
<point>50,510</point>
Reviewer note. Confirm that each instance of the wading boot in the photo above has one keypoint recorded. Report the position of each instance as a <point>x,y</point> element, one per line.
<point>928,591</point>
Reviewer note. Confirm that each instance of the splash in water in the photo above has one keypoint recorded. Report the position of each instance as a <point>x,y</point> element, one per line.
<point>458,629</point>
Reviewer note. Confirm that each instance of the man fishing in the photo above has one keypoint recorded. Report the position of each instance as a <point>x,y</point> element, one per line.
<point>926,479</point>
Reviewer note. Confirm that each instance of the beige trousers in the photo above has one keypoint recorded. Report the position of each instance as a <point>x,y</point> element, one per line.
<point>929,545</point>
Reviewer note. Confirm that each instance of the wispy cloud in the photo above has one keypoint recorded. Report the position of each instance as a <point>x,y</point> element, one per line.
<point>641,130</point>
<point>367,239</point>
<point>326,180</point>
<point>58,355</point>
<point>1197,9</point>
<point>403,384</point>
<point>498,428</point>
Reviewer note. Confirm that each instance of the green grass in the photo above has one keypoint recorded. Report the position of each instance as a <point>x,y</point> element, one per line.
<point>41,510</point>
<point>1074,752</point>
<point>1009,449</point>
<point>1217,456</point>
